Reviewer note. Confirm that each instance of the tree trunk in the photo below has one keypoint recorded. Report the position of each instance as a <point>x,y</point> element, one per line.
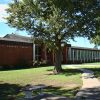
<point>58,58</point>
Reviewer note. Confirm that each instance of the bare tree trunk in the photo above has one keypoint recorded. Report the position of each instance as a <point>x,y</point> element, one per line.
<point>58,58</point>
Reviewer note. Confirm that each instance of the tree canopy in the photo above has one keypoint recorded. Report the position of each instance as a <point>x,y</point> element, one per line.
<point>96,40</point>
<point>55,21</point>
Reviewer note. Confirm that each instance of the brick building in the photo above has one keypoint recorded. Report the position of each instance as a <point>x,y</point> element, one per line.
<point>15,50</point>
<point>18,50</point>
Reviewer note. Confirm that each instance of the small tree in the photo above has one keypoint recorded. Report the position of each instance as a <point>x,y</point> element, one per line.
<point>54,21</point>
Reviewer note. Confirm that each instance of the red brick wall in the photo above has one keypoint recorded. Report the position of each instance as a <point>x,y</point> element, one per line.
<point>12,53</point>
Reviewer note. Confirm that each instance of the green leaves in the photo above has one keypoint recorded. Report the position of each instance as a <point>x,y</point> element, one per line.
<point>55,21</point>
<point>96,40</point>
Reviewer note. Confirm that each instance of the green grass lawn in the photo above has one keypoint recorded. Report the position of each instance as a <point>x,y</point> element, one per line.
<point>65,84</point>
<point>94,63</point>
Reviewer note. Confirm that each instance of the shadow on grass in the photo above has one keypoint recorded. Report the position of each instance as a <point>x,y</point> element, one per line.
<point>66,72</point>
<point>11,91</point>
<point>89,94</point>
<point>12,69</point>
<point>96,71</point>
<point>62,92</point>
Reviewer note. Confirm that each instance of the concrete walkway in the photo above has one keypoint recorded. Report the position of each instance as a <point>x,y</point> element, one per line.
<point>91,86</point>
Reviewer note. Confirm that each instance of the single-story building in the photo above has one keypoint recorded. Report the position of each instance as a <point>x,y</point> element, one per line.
<point>20,50</point>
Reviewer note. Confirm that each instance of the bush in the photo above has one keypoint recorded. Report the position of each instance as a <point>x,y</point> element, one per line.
<point>39,63</point>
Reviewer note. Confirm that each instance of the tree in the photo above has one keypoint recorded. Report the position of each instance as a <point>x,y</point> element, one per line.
<point>54,21</point>
<point>96,40</point>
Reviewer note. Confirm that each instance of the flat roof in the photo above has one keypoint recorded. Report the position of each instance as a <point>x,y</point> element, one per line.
<point>77,47</point>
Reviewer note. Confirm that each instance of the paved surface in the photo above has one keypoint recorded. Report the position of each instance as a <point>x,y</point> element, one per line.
<point>50,97</point>
<point>91,87</point>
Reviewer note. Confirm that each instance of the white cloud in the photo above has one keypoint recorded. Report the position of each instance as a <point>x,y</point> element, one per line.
<point>3,13</point>
<point>3,8</point>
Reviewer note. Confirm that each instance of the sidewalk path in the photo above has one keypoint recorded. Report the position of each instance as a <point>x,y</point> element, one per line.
<point>91,85</point>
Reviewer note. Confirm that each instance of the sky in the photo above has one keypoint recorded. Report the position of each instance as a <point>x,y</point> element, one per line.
<point>5,29</point>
